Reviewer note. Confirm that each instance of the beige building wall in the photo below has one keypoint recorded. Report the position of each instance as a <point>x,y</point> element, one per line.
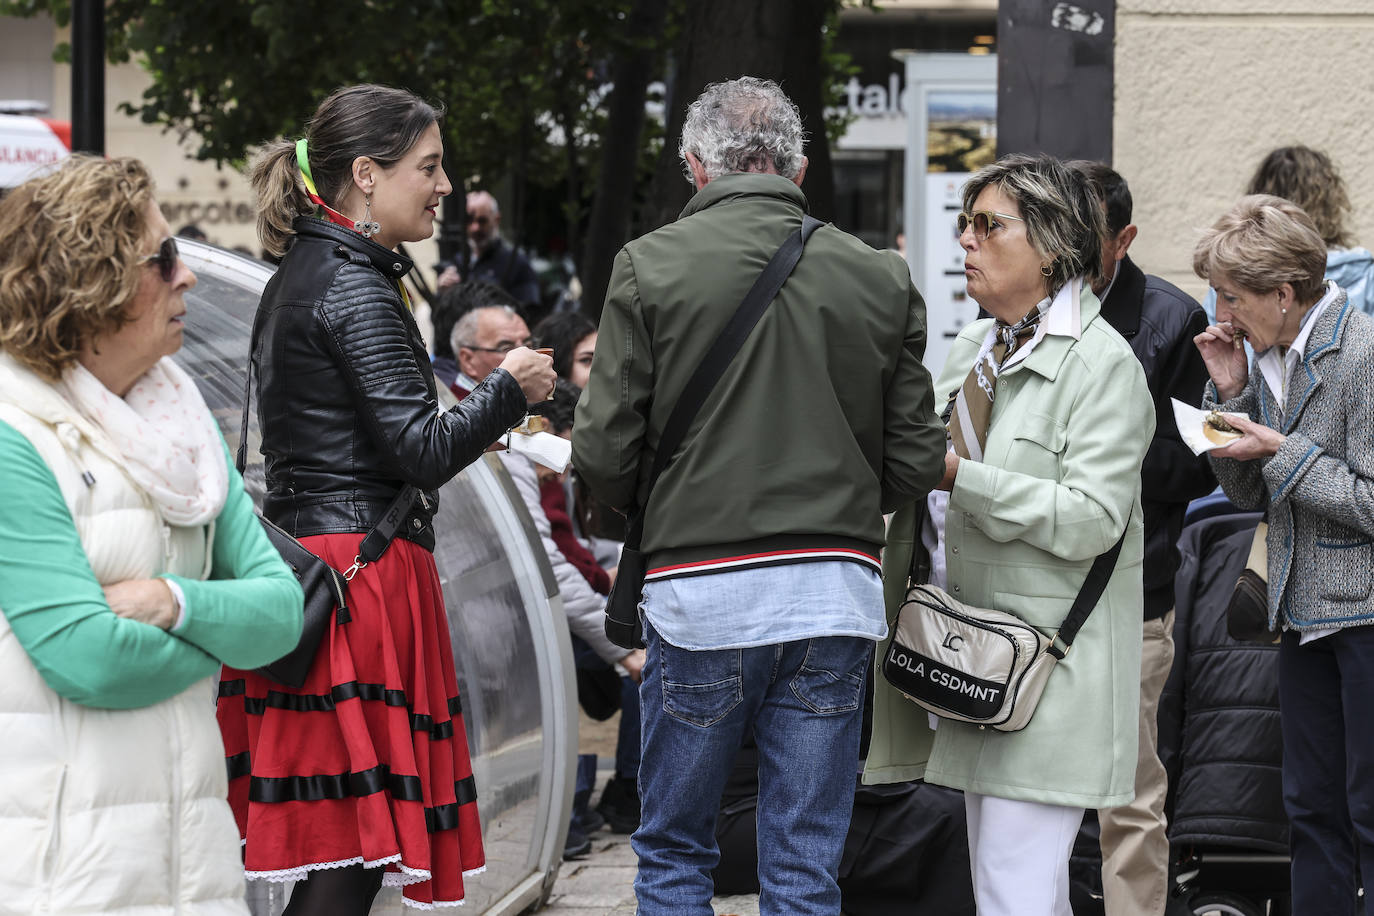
<point>1205,88</point>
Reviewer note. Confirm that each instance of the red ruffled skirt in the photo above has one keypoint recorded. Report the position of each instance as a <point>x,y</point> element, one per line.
<point>367,762</point>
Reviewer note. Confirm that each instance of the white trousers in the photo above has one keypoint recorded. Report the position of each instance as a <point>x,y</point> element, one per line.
<point>1019,852</point>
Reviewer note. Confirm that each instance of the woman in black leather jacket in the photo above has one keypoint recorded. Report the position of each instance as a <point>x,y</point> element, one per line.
<point>361,776</point>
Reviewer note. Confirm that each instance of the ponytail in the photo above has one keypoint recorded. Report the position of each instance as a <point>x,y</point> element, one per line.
<point>276,180</point>
<point>374,121</point>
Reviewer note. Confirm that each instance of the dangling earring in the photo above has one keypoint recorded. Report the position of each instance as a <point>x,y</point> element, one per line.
<point>367,227</point>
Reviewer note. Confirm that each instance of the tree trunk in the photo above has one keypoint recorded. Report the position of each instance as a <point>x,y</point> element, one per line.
<point>723,39</point>
<point>572,201</point>
<point>609,225</point>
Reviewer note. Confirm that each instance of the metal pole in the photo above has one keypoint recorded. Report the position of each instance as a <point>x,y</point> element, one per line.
<point>88,76</point>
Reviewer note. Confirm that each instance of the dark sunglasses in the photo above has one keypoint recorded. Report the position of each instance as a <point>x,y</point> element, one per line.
<point>165,259</point>
<point>983,222</point>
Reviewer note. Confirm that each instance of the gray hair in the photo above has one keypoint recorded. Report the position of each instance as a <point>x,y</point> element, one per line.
<point>465,328</point>
<point>476,197</point>
<point>1262,243</point>
<point>1064,219</point>
<point>743,125</point>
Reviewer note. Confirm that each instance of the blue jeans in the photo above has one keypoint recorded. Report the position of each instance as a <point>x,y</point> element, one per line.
<point>803,700</point>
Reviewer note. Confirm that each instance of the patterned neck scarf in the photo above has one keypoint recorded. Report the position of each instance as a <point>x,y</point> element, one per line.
<point>970,408</point>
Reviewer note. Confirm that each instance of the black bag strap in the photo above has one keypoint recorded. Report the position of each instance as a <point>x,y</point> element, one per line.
<point>1099,574</point>
<point>717,360</point>
<point>380,535</point>
<point>1093,586</point>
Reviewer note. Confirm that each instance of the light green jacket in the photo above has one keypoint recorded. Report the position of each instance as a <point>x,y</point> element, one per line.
<point>1060,479</point>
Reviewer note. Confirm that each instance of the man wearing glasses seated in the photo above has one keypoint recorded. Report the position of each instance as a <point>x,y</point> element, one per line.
<point>481,339</point>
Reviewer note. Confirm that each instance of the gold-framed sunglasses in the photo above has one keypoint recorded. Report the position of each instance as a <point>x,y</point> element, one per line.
<point>983,222</point>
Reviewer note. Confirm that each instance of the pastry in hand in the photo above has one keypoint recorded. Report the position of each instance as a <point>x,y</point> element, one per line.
<point>1215,428</point>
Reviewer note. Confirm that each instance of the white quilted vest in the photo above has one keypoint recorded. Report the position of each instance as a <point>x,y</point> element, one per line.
<point>108,811</point>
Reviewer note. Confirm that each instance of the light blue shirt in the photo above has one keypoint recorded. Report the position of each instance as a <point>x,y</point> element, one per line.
<point>767,605</point>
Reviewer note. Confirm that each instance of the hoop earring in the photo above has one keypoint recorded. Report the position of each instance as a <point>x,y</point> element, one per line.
<point>1047,270</point>
<point>367,227</point>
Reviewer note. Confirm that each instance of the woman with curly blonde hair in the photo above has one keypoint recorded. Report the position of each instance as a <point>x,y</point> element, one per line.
<point>131,564</point>
<point>1308,178</point>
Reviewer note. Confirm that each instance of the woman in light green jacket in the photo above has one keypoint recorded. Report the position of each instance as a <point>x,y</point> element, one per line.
<point>1049,420</point>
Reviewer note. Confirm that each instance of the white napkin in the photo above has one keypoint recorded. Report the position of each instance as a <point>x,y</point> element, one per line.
<point>1190,421</point>
<point>551,451</point>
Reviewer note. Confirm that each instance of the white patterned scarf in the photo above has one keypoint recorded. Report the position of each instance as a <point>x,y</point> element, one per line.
<point>166,435</point>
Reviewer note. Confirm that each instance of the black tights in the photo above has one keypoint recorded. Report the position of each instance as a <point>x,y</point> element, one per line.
<point>345,891</point>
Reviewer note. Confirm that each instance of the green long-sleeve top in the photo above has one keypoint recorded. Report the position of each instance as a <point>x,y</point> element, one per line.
<point>246,614</point>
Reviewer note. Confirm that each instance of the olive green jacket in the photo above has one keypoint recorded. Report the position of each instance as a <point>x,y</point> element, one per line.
<point>823,421</point>
<point>1061,478</point>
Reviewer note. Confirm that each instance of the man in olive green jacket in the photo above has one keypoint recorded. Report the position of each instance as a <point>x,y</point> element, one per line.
<point>762,537</point>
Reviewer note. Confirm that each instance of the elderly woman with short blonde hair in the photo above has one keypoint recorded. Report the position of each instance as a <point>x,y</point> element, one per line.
<point>131,564</point>
<point>1306,409</point>
<point>1049,419</point>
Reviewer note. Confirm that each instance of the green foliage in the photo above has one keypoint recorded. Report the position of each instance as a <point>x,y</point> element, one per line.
<point>836,68</point>
<point>238,73</point>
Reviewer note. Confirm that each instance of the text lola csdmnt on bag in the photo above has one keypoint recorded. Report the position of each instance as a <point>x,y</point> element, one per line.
<point>979,665</point>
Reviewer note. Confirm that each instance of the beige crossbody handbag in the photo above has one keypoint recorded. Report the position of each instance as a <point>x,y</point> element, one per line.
<point>979,665</point>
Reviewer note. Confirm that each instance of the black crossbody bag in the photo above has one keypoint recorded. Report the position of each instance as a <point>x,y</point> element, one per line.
<point>325,588</point>
<point>623,626</point>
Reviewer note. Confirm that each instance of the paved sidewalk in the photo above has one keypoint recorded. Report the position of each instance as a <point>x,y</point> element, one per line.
<point>603,884</point>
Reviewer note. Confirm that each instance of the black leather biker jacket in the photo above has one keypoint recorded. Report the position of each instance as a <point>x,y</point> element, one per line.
<point>346,398</point>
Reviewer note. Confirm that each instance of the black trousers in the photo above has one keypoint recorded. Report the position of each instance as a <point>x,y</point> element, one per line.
<point>1326,701</point>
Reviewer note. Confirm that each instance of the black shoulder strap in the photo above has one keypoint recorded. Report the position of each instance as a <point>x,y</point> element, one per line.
<point>1093,586</point>
<point>717,360</point>
<point>241,456</point>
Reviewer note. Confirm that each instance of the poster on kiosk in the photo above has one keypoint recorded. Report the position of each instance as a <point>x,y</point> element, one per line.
<point>951,133</point>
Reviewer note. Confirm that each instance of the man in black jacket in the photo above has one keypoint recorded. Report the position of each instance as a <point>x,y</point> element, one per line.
<point>1159,321</point>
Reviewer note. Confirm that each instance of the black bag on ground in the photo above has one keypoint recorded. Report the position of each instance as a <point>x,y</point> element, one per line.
<point>623,626</point>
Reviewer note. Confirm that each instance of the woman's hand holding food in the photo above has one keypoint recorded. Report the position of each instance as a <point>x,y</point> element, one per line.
<point>1223,352</point>
<point>148,601</point>
<point>534,372</point>
<point>1256,441</point>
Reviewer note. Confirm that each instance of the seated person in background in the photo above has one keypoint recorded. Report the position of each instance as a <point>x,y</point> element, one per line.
<point>481,338</point>
<point>455,302</point>
<point>619,804</point>
<point>585,611</point>
<point>572,337</point>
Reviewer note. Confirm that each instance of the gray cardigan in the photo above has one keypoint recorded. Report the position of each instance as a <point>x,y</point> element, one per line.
<point>1319,487</point>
